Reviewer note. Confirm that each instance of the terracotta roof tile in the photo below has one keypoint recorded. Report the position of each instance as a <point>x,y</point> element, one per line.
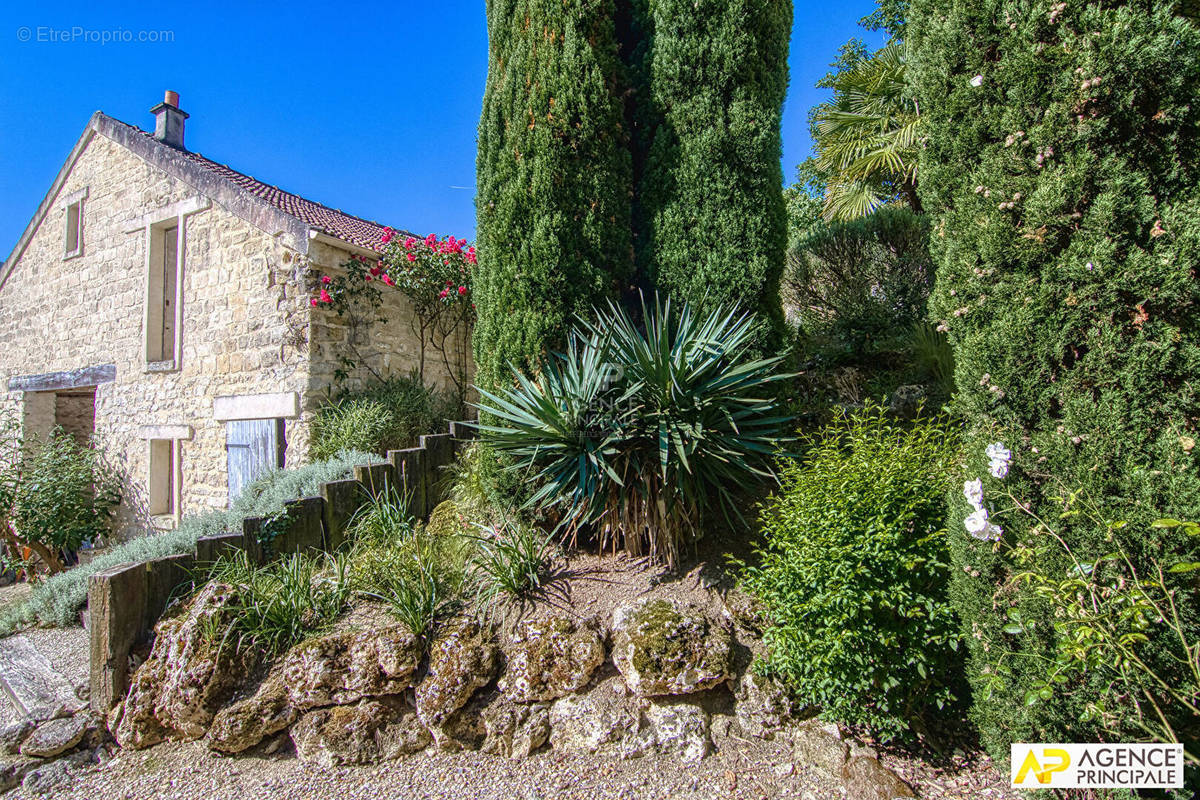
<point>338,224</point>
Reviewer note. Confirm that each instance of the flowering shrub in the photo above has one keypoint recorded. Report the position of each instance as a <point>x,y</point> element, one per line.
<point>1124,654</point>
<point>854,572</point>
<point>433,273</point>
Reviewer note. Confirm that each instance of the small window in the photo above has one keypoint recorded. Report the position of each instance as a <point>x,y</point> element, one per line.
<point>162,290</point>
<point>164,462</point>
<point>74,234</point>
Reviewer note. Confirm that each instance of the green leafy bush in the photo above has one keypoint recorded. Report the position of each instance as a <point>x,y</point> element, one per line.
<point>57,600</point>
<point>1105,612</point>
<point>854,572</point>
<point>1061,171</point>
<point>637,434</point>
<point>421,578</point>
<point>62,495</point>
<point>389,415</point>
<point>279,603</point>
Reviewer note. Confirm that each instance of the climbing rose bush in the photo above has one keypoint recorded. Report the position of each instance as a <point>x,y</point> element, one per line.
<point>435,274</point>
<point>432,272</point>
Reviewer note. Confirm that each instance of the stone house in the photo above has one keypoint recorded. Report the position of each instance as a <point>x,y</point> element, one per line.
<point>158,303</point>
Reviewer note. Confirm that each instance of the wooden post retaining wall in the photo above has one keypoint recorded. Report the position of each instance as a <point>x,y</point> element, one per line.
<point>125,601</point>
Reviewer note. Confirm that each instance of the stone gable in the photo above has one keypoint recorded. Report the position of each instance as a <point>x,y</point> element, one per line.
<point>246,322</point>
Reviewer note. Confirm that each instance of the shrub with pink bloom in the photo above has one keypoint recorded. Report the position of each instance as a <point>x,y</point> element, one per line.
<point>434,273</point>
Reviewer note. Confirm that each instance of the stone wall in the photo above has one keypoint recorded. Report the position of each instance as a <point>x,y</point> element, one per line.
<point>393,348</point>
<point>244,315</point>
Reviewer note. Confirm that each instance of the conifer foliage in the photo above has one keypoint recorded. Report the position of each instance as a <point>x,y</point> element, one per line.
<point>1062,170</point>
<point>614,124</point>
<point>710,79</point>
<point>553,178</point>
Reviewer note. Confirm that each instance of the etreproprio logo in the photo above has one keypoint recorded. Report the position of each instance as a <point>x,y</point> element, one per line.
<point>1097,766</point>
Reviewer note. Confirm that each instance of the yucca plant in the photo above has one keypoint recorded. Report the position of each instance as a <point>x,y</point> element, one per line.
<point>639,432</point>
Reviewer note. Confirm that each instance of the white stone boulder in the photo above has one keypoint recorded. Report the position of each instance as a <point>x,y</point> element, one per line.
<point>663,647</point>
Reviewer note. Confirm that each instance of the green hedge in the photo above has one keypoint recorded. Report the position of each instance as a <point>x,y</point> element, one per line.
<point>854,572</point>
<point>1062,171</point>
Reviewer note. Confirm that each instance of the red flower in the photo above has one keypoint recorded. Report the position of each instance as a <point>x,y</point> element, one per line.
<point>368,277</point>
<point>314,302</point>
<point>387,235</point>
<point>409,242</point>
<point>387,279</point>
<point>462,290</point>
<point>444,294</point>
<point>325,298</point>
<point>412,257</point>
<point>326,279</point>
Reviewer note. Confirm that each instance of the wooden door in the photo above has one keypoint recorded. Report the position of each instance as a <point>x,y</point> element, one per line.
<point>254,447</point>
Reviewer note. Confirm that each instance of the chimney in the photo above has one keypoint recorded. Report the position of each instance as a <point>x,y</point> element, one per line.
<point>168,121</point>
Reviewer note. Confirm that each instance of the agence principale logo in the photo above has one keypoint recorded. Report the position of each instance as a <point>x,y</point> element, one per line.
<point>1097,766</point>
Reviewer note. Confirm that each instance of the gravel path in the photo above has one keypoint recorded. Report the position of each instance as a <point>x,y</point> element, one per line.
<point>186,771</point>
<point>739,769</point>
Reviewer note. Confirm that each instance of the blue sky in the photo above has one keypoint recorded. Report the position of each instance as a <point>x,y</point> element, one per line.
<point>371,108</point>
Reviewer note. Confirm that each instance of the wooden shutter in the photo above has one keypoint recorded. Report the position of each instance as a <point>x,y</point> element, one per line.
<point>170,279</point>
<point>254,447</point>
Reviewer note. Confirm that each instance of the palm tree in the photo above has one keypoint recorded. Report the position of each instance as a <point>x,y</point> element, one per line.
<point>866,137</point>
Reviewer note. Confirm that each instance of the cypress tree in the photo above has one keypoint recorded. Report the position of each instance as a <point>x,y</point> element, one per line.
<point>1061,168</point>
<point>553,178</point>
<point>710,78</point>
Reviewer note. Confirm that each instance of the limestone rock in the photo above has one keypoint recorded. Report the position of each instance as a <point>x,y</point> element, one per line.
<point>820,746</point>
<point>338,669</point>
<point>585,723</point>
<point>241,725</point>
<point>549,658</point>
<point>12,734</point>
<point>12,772</point>
<point>867,779</point>
<point>906,401</point>
<point>191,671</point>
<point>762,706</point>
<point>55,736</point>
<point>462,659</point>
<point>54,776</point>
<point>515,730</point>
<point>368,732</point>
<point>662,647</point>
<point>466,728</point>
<point>345,667</point>
<point>676,728</point>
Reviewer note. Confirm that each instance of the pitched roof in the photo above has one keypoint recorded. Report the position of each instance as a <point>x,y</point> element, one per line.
<point>268,207</point>
<point>334,222</point>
